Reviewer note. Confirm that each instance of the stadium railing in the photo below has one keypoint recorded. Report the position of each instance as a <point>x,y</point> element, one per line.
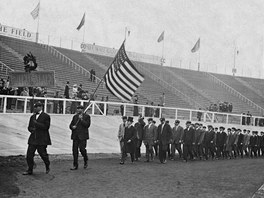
<point>24,105</point>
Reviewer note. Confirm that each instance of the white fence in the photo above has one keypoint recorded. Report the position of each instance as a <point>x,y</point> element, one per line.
<point>24,104</point>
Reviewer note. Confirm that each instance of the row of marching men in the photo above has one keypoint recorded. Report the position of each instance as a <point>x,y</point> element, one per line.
<point>195,141</point>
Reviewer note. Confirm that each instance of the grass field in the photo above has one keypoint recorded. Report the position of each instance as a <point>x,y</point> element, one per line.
<point>105,177</point>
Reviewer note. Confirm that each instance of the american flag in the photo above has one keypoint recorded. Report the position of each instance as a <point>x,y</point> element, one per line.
<point>35,12</point>
<point>122,78</point>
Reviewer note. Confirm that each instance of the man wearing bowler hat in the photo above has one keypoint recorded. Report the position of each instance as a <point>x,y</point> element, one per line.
<point>39,138</point>
<point>129,141</point>
<point>80,134</point>
<point>121,132</point>
<point>164,138</point>
<point>188,140</point>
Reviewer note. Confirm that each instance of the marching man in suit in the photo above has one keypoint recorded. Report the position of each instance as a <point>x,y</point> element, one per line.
<point>129,141</point>
<point>121,132</point>
<point>149,138</point>
<point>177,134</point>
<point>39,138</point>
<point>188,141</point>
<point>164,138</point>
<point>80,134</point>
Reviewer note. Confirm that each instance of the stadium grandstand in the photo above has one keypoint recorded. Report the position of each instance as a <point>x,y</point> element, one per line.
<point>184,89</point>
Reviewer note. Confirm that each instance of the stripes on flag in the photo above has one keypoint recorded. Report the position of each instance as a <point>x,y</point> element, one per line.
<point>81,23</point>
<point>35,12</point>
<point>122,78</point>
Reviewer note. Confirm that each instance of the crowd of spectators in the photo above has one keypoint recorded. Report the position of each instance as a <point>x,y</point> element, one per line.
<point>221,107</point>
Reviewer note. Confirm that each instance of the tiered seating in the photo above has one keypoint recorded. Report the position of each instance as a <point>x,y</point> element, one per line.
<point>46,61</point>
<point>201,81</point>
<point>10,60</point>
<point>232,82</point>
<point>256,83</point>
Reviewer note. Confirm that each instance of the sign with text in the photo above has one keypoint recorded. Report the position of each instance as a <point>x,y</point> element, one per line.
<point>106,51</point>
<point>33,79</point>
<point>17,33</point>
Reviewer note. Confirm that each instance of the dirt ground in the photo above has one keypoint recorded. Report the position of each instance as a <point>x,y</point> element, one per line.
<point>105,177</point>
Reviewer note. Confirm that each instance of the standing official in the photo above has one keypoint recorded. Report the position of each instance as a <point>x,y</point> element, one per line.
<point>164,137</point>
<point>80,134</point>
<point>39,138</point>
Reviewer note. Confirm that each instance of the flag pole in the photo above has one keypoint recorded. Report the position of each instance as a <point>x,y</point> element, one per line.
<point>199,60</point>
<point>84,28</point>
<point>162,58</point>
<point>37,35</point>
<point>102,79</point>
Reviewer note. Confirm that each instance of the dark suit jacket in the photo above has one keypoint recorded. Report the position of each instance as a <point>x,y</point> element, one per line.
<point>253,141</point>
<point>189,136</point>
<point>82,130</point>
<point>130,134</point>
<point>39,130</point>
<point>209,137</point>
<point>177,134</point>
<point>221,138</point>
<point>165,135</point>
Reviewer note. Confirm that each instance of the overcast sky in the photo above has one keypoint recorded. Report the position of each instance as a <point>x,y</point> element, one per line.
<point>221,25</point>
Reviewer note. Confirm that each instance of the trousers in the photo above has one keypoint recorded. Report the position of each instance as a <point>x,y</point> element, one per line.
<point>77,145</point>
<point>42,151</point>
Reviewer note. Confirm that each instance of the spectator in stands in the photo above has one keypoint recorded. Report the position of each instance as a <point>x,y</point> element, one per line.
<point>94,76</point>
<point>80,91</point>
<point>74,91</point>
<point>24,92</point>
<point>91,75</point>
<point>230,107</point>
<point>199,115</point>
<point>67,90</point>
<point>248,118</point>
<point>243,119</point>
<point>162,100</point>
<point>135,101</point>
<point>122,110</point>
<point>85,95</point>
<point>2,83</point>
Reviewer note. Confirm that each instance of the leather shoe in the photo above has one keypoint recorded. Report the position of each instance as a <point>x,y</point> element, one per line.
<point>85,165</point>
<point>74,168</point>
<point>47,170</point>
<point>27,173</point>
